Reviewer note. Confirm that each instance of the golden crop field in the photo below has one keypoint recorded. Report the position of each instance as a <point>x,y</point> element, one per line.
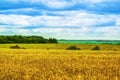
<point>59,64</point>
<point>107,47</point>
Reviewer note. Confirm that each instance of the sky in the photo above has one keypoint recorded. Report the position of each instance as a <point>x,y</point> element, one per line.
<point>61,19</point>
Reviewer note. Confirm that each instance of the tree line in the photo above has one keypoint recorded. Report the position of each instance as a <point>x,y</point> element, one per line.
<point>25,39</point>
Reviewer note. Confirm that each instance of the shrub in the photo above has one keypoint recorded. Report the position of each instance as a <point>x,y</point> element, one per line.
<point>72,48</point>
<point>15,47</point>
<point>96,48</point>
<point>23,48</point>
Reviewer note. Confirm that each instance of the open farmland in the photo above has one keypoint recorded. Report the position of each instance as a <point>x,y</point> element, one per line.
<point>37,63</point>
<point>107,47</point>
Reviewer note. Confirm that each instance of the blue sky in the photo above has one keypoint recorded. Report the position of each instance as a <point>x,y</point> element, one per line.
<point>61,19</point>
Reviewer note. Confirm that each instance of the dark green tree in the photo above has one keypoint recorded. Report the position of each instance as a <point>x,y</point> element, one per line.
<point>52,40</point>
<point>25,39</point>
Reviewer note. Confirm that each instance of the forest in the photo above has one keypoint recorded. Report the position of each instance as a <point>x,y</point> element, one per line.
<point>25,39</point>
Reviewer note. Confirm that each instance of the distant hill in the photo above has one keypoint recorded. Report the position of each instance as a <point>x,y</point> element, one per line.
<point>25,39</point>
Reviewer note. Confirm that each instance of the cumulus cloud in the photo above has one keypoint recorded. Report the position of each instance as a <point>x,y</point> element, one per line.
<point>14,20</point>
<point>118,22</point>
<point>69,33</point>
<point>74,19</point>
<point>78,23</point>
<point>67,19</point>
<point>57,3</point>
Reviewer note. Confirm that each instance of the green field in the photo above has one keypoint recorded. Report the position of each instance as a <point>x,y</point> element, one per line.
<point>36,62</point>
<point>89,41</point>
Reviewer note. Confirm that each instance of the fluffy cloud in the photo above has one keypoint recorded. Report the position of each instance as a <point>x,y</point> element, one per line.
<point>67,19</point>
<point>57,3</point>
<point>69,33</point>
<point>69,24</point>
<point>118,22</point>
<point>14,20</point>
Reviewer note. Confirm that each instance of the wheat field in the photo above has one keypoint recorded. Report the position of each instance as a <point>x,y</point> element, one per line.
<point>105,47</point>
<point>53,64</point>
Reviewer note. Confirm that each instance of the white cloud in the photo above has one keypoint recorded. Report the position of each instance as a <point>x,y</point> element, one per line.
<point>48,3</point>
<point>69,19</point>
<point>64,24</point>
<point>71,25</point>
<point>2,29</point>
<point>118,22</point>
<point>57,3</point>
<point>72,33</point>
<point>14,20</point>
<point>111,32</point>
